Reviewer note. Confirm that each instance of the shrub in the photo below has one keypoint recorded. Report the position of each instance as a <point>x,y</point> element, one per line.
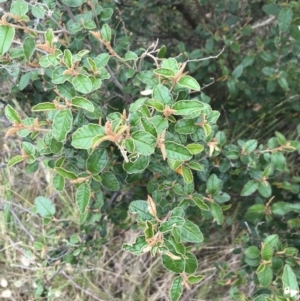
<point>113,122</point>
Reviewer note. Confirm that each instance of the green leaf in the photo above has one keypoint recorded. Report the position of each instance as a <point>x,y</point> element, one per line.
<point>278,161</point>
<point>67,58</point>
<point>195,148</point>
<point>186,107</point>
<point>44,106</point>
<point>19,8</point>
<point>281,139</point>
<point>62,125</point>
<point>73,3</point>
<point>187,174</point>
<point>265,277</point>
<point>28,148</point>
<point>195,166</point>
<point>130,55</point>
<point>249,188</point>
<point>185,126</point>
<point>144,142</point>
<point>83,195</point>
<point>217,213</point>
<point>290,283</point>
<point>267,252</point>
<point>44,206</point>
<point>162,94</point>
<point>164,72</point>
<point>250,146</point>
<point>162,52</point>
<point>83,103</point>
<point>177,152</point>
<point>176,289</point>
<point>137,247</point>
<point>15,160</point>
<point>58,77</point>
<point>174,221</point>
<point>12,115</point>
<point>83,137</point>
<point>170,63</point>
<point>59,182</point>
<point>271,9</point>
<point>191,263</point>
<point>238,71</point>
<point>252,252</point>
<point>200,203</point>
<point>38,11</point>
<point>138,166</point>
<point>189,82</point>
<point>272,240</point>
<point>66,173</point>
<point>156,104</point>
<point>193,279</point>
<point>109,181</point>
<point>97,161</point>
<point>106,32</point>
<point>24,81</point>
<point>101,60</point>
<point>285,18</point>
<point>283,83</point>
<point>176,266</point>
<point>141,208</point>
<point>264,188</point>
<point>190,233</point>
<point>282,208</point>
<point>160,123</point>
<point>82,84</point>
<point>29,47</point>
<point>149,127</point>
<point>213,184</point>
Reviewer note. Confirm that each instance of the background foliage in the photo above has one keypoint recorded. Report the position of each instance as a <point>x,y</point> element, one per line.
<point>95,104</point>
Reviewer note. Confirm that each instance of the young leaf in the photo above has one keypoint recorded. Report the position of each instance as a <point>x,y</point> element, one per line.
<point>200,203</point>
<point>38,11</point>
<point>58,182</point>
<point>281,139</point>
<point>176,289</point>
<point>66,173</point>
<point>249,188</point>
<point>267,252</point>
<point>62,125</point>
<point>44,206</point>
<point>83,195</point>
